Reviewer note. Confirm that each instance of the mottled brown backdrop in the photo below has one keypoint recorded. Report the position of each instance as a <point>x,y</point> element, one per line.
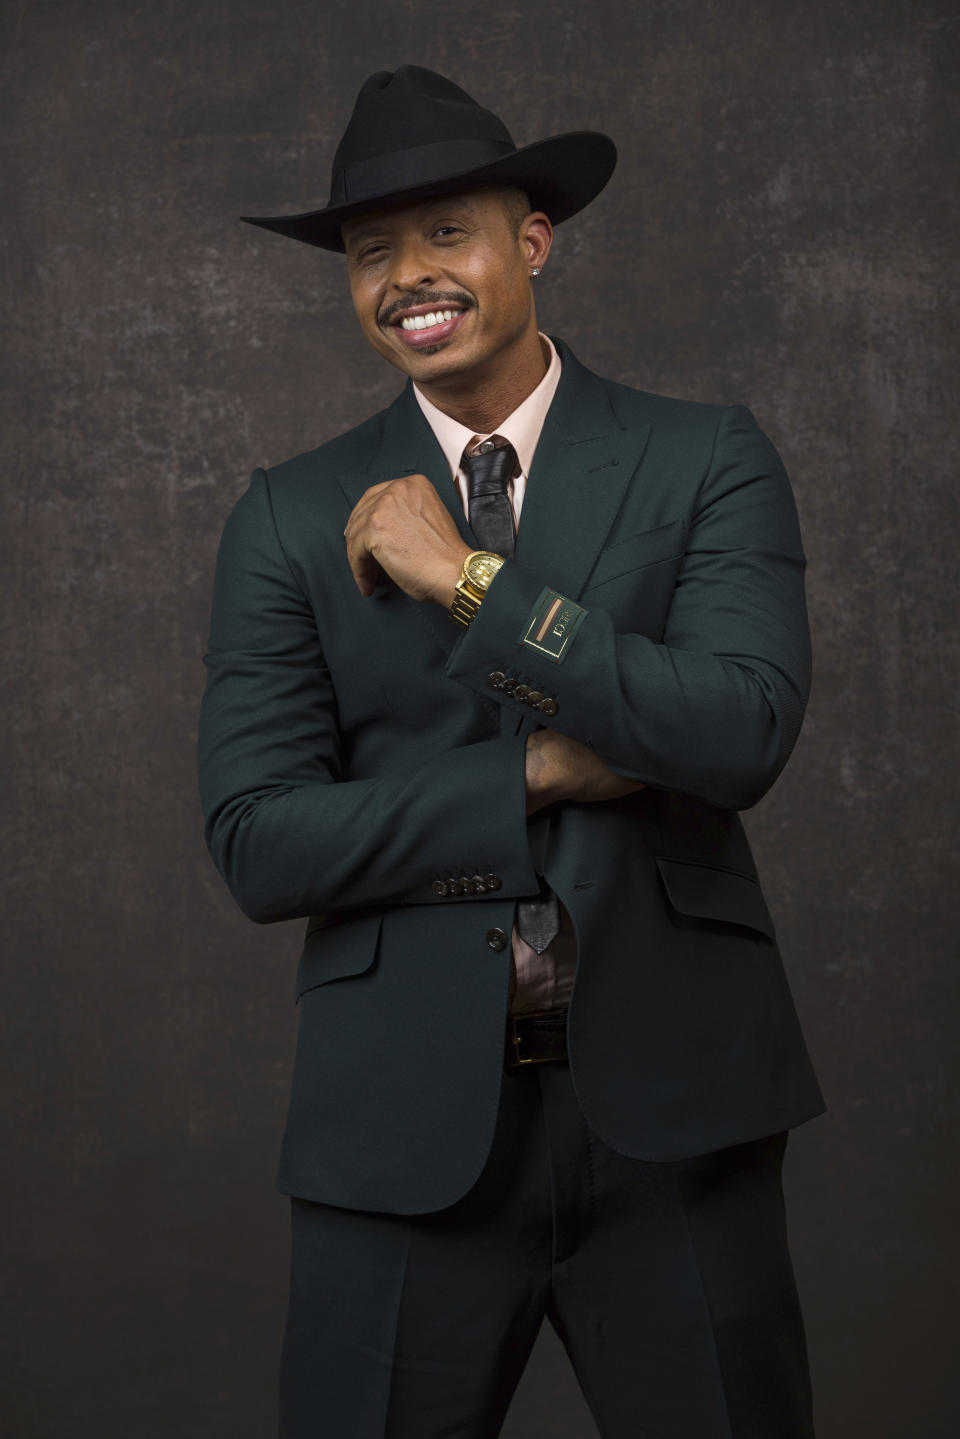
<point>780,232</point>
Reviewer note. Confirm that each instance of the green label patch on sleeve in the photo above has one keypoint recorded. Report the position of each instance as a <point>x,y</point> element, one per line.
<point>552,624</point>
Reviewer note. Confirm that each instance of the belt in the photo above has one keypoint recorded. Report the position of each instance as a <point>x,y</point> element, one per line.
<point>534,1038</point>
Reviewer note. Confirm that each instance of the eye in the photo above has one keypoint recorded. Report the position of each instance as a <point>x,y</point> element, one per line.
<point>371,251</point>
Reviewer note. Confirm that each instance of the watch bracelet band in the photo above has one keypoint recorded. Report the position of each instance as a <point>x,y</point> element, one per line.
<point>467,596</point>
<point>466,602</point>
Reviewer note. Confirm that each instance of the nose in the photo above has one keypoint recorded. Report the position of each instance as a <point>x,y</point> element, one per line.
<point>412,269</point>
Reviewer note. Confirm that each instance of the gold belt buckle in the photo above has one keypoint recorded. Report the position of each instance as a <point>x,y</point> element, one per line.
<point>516,1040</point>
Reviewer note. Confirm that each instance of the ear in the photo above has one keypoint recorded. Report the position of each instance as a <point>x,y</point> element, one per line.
<point>536,235</point>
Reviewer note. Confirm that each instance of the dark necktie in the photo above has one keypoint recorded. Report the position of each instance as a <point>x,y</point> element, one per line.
<point>490,513</point>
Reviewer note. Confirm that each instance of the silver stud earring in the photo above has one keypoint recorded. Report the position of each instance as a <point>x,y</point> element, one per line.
<point>535,272</point>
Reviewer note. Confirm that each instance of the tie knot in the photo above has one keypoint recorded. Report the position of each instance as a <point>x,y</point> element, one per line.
<point>489,469</point>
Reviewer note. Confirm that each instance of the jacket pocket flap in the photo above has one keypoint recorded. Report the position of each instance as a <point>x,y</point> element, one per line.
<point>709,893</point>
<point>336,950</point>
<point>633,552</point>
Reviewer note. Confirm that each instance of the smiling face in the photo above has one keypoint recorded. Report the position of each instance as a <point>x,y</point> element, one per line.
<point>456,258</point>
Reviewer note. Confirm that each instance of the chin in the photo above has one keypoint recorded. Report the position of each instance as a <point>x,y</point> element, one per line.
<point>433,362</point>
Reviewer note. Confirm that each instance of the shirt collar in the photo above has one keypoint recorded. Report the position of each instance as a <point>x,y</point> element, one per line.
<point>522,427</point>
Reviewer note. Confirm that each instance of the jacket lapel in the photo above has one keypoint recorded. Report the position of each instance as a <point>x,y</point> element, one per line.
<point>580,473</point>
<point>581,469</point>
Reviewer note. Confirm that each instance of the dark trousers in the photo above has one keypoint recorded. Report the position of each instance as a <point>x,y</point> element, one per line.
<point>669,1284</point>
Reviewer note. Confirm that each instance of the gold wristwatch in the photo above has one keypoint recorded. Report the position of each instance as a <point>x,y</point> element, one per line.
<point>479,569</point>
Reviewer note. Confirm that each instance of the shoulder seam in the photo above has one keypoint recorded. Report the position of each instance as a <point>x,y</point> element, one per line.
<point>276,530</point>
<point>724,410</point>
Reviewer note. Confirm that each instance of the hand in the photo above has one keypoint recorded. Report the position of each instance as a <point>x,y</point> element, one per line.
<point>559,767</point>
<point>402,528</point>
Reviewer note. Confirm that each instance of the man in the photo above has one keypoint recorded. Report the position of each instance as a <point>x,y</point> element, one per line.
<point>547,1056</point>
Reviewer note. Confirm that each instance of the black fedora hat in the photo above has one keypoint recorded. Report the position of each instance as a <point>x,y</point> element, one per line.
<point>414,134</point>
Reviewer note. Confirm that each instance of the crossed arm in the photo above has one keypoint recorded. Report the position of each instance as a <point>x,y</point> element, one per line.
<point>713,710</point>
<point>403,527</point>
<point>558,767</point>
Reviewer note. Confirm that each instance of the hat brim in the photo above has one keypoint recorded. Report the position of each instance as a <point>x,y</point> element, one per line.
<point>561,174</point>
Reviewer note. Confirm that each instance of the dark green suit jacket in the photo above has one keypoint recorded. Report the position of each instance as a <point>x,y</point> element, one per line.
<point>354,751</point>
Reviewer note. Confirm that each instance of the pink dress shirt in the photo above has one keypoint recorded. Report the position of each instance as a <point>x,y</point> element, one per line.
<point>537,981</point>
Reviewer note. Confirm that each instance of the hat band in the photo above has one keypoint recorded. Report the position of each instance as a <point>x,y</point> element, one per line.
<point>382,174</point>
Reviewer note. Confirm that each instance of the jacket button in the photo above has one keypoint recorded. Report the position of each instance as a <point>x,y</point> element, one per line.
<point>534,698</point>
<point>496,939</point>
<point>520,692</point>
<point>496,679</point>
<point>492,881</point>
<point>440,886</point>
<point>549,705</point>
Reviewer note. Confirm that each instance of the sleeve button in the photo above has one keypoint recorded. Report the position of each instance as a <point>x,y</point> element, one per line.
<point>492,881</point>
<point>496,679</point>
<point>479,884</point>
<point>549,705</point>
<point>521,691</point>
<point>509,684</point>
<point>467,885</point>
<point>439,886</point>
<point>534,698</point>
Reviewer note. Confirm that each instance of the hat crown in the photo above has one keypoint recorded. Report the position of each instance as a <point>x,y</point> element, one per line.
<point>414,135</point>
<point>407,110</point>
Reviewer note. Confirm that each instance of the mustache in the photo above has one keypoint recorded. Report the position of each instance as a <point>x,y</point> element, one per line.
<point>429,297</point>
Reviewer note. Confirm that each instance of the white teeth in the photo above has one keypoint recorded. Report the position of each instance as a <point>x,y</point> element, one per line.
<point>423,322</point>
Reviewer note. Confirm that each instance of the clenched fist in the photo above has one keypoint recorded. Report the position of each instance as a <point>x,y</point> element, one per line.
<point>403,528</point>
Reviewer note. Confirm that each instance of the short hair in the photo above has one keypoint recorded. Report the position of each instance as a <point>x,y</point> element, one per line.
<point>516,205</point>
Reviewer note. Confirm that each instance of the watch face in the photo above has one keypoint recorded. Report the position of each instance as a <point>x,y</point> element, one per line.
<point>482,567</point>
